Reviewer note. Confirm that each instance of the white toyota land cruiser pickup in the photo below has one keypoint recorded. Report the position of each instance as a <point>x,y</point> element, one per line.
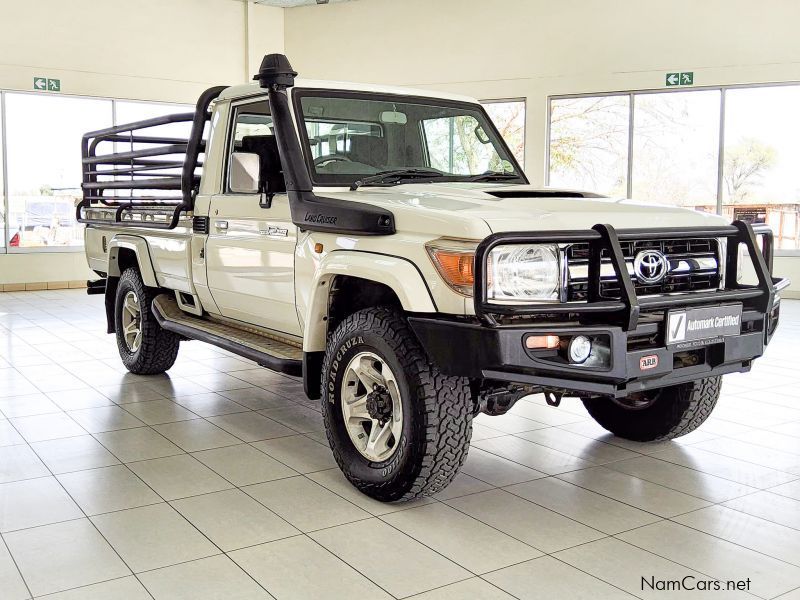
<point>384,245</point>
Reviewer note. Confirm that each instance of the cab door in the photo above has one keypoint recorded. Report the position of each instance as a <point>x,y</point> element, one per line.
<point>250,250</point>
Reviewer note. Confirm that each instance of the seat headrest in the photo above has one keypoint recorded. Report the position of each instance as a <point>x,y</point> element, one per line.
<point>266,146</point>
<point>369,150</point>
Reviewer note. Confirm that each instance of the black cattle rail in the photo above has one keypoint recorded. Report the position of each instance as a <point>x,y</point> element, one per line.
<point>625,310</point>
<point>148,171</point>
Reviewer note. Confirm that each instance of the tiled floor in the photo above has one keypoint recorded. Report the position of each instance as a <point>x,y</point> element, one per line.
<point>216,483</point>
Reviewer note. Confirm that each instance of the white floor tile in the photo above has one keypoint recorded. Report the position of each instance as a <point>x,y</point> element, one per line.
<point>416,567</point>
<point>153,536</point>
<point>530,523</point>
<point>214,578</point>
<point>34,502</point>
<point>299,569</point>
<point>66,555</point>
<point>232,519</point>
<point>305,504</point>
<point>464,540</point>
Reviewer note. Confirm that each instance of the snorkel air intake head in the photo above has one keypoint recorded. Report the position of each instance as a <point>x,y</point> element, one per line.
<point>275,72</point>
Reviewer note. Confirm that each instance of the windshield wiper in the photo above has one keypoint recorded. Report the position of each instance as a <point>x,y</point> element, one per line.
<point>396,174</point>
<point>492,176</point>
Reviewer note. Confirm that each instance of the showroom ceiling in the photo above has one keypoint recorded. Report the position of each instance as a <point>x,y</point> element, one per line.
<point>291,3</point>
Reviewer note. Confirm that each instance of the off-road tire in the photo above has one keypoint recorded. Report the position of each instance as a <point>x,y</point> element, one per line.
<point>677,410</point>
<point>437,415</point>
<point>159,347</point>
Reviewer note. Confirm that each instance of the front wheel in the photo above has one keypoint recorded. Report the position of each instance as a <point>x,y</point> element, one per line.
<point>661,414</point>
<point>398,428</point>
<point>144,347</point>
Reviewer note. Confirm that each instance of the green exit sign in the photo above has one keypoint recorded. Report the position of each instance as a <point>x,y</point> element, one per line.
<point>676,79</point>
<point>46,84</point>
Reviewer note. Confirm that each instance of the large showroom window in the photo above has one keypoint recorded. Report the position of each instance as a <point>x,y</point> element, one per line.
<point>589,144</point>
<point>509,118</point>
<point>676,149</point>
<point>762,154</point>
<point>44,166</point>
<point>41,176</point>
<point>664,147</point>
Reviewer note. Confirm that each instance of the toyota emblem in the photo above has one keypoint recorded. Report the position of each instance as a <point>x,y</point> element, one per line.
<point>650,266</point>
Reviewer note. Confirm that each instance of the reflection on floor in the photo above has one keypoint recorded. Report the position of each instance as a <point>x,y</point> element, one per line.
<point>216,482</point>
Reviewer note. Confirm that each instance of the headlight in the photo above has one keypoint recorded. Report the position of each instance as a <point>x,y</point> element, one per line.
<point>524,272</point>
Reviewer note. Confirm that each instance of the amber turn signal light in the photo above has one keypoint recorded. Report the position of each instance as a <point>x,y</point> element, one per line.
<point>456,267</point>
<point>542,342</point>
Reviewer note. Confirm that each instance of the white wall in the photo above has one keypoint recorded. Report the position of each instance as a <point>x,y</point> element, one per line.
<point>536,48</point>
<point>167,50</point>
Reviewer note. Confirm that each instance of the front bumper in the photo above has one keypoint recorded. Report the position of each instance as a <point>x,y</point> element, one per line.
<point>492,346</point>
<point>498,353</point>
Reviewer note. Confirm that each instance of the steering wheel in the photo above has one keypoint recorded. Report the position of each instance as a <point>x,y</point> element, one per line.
<point>324,160</point>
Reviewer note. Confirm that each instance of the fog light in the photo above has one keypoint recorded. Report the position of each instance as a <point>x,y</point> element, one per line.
<point>542,342</point>
<point>580,348</point>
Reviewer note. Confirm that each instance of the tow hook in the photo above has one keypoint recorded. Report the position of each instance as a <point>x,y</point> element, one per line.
<point>553,398</point>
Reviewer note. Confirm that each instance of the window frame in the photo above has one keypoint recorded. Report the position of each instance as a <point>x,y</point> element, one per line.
<point>632,93</point>
<point>230,134</point>
<point>303,92</point>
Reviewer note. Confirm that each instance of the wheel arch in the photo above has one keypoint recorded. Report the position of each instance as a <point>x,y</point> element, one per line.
<point>124,252</point>
<point>348,281</point>
<point>369,279</point>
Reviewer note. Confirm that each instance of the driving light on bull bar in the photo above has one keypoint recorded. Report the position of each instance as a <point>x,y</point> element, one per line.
<point>580,348</point>
<point>524,272</point>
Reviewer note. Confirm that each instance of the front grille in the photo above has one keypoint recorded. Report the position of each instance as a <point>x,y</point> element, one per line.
<point>694,266</point>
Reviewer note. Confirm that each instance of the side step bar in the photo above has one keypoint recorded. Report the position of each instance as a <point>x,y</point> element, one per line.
<point>268,352</point>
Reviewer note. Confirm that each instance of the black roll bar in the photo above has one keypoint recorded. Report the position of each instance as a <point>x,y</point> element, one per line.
<point>149,168</point>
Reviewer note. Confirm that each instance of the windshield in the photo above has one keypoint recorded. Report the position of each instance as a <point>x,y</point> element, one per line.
<point>350,136</point>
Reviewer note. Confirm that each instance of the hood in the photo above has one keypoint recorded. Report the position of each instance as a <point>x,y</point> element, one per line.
<point>457,208</point>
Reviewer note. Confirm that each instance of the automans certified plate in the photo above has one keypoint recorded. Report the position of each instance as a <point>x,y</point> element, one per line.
<point>699,326</point>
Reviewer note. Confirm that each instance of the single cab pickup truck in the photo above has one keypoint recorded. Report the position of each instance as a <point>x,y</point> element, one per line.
<point>385,245</point>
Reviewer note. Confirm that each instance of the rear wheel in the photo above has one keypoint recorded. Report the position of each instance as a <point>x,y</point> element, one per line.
<point>398,428</point>
<point>145,348</point>
<point>661,414</point>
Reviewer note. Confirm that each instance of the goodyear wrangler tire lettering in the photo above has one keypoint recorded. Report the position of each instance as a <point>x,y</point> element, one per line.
<point>436,409</point>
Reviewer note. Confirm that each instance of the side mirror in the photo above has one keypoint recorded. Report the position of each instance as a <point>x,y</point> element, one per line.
<point>244,172</point>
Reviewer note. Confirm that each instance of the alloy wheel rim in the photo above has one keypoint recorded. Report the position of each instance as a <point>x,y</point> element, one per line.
<point>131,321</point>
<point>371,407</point>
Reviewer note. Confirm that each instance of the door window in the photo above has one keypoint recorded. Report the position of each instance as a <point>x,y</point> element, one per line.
<point>252,132</point>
